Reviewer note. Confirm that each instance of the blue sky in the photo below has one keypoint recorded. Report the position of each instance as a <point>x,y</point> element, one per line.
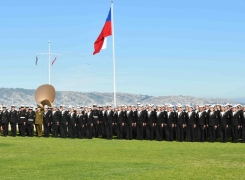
<point>162,47</point>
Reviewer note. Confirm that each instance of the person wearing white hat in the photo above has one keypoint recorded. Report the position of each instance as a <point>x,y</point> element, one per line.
<point>159,123</point>
<point>80,128</point>
<point>120,120</point>
<point>224,119</point>
<point>140,119</point>
<point>55,120</point>
<point>129,121</point>
<point>180,123</point>
<point>22,121</point>
<point>31,116</point>
<point>170,122</point>
<point>13,118</point>
<point>72,121</point>
<point>5,121</point>
<point>201,123</point>
<point>191,124</point>
<point>63,121</point>
<point>96,121</point>
<point>109,122</point>
<point>89,123</point>
<point>150,122</point>
<point>235,120</point>
<point>46,121</point>
<point>212,124</point>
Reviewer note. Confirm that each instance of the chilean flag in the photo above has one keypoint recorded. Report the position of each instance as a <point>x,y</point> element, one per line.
<point>100,42</point>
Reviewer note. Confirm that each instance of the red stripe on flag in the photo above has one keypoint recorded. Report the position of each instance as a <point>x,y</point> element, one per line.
<point>54,61</point>
<point>106,31</point>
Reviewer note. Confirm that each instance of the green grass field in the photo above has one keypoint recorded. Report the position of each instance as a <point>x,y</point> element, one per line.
<point>42,158</point>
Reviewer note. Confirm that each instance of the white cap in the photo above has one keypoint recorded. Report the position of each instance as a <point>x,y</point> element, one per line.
<point>70,106</point>
<point>170,106</point>
<point>12,105</point>
<point>46,106</point>
<point>212,106</point>
<point>201,106</point>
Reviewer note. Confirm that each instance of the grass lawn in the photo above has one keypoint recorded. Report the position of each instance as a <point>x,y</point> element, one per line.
<point>41,158</point>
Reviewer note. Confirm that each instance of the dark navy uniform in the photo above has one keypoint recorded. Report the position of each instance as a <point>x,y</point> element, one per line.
<point>46,123</point>
<point>22,122</point>
<point>31,116</point>
<point>5,121</point>
<point>13,119</point>
<point>55,120</point>
<point>120,120</point>
<point>129,120</point>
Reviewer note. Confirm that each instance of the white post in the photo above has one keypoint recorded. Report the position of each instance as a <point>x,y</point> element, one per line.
<point>49,55</point>
<point>49,62</point>
<point>113,54</point>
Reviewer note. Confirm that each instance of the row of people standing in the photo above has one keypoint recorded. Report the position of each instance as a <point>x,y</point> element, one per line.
<point>163,122</point>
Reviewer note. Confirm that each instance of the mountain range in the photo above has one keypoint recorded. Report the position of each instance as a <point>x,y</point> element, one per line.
<point>19,96</point>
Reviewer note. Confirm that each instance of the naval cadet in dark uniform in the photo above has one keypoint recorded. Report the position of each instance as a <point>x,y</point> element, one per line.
<point>212,123</point>
<point>103,122</point>
<point>191,124</point>
<point>109,122</point>
<point>170,123</point>
<point>140,119</point>
<point>63,122</point>
<point>31,116</point>
<point>5,121</point>
<point>235,124</point>
<point>22,121</point>
<point>159,123</point>
<point>224,120</point>
<point>55,120</point>
<point>72,122</point>
<point>120,120</point>
<point>129,120</point>
<point>180,123</point>
<point>96,121</point>
<point>89,123</point>
<point>13,119</point>
<point>150,121</point>
<point>201,123</point>
<point>80,124</point>
<point>46,121</point>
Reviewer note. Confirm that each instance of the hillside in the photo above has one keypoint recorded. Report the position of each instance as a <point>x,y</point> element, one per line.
<point>19,96</point>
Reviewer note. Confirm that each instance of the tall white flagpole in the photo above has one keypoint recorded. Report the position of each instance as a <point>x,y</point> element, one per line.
<point>113,54</point>
<point>49,55</point>
<point>49,62</point>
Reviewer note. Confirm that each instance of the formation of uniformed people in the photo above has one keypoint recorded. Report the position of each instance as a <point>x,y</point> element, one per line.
<point>167,122</point>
